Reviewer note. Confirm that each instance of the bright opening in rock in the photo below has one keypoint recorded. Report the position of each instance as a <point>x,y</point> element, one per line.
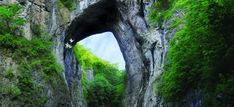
<point>103,70</point>
<point>105,46</point>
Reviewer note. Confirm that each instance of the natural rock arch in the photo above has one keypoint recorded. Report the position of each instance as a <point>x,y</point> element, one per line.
<point>111,15</point>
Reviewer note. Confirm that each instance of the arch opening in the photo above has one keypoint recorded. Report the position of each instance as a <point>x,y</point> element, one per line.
<point>102,80</point>
<point>101,17</point>
<point>105,46</point>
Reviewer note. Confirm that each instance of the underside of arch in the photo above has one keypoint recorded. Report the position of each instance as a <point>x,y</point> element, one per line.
<point>97,18</point>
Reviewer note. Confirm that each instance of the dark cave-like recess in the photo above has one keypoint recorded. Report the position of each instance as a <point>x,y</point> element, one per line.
<point>97,18</point>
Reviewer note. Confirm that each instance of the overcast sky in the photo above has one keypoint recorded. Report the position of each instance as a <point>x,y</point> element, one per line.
<point>105,46</point>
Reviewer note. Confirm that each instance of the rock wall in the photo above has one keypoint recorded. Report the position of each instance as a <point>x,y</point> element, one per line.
<point>155,49</point>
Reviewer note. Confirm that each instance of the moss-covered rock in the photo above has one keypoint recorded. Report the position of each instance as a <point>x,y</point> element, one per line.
<point>30,74</point>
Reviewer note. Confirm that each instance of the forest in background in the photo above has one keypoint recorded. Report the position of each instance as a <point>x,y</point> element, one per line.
<point>107,86</point>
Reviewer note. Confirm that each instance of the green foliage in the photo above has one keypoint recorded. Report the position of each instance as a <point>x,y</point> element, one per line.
<point>108,85</point>
<point>10,89</point>
<point>10,73</point>
<point>13,90</point>
<point>158,11</point>
<point>33,57</point>
<point>201,53</point>
<point>69,4</point>
<point>100,92</point>
<point>85,57</point>
<point>9,20</point>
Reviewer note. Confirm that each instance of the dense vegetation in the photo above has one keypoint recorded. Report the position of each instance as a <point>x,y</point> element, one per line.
<point>201,53</point>
<point>158,12</point>
<point>106,88</point>
<point>34,60</point>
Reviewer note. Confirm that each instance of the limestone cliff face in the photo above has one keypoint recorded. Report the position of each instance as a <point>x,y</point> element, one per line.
<point>144,49</point>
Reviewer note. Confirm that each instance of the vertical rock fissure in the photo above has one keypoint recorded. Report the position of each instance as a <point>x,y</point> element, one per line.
<point>152,52</point>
